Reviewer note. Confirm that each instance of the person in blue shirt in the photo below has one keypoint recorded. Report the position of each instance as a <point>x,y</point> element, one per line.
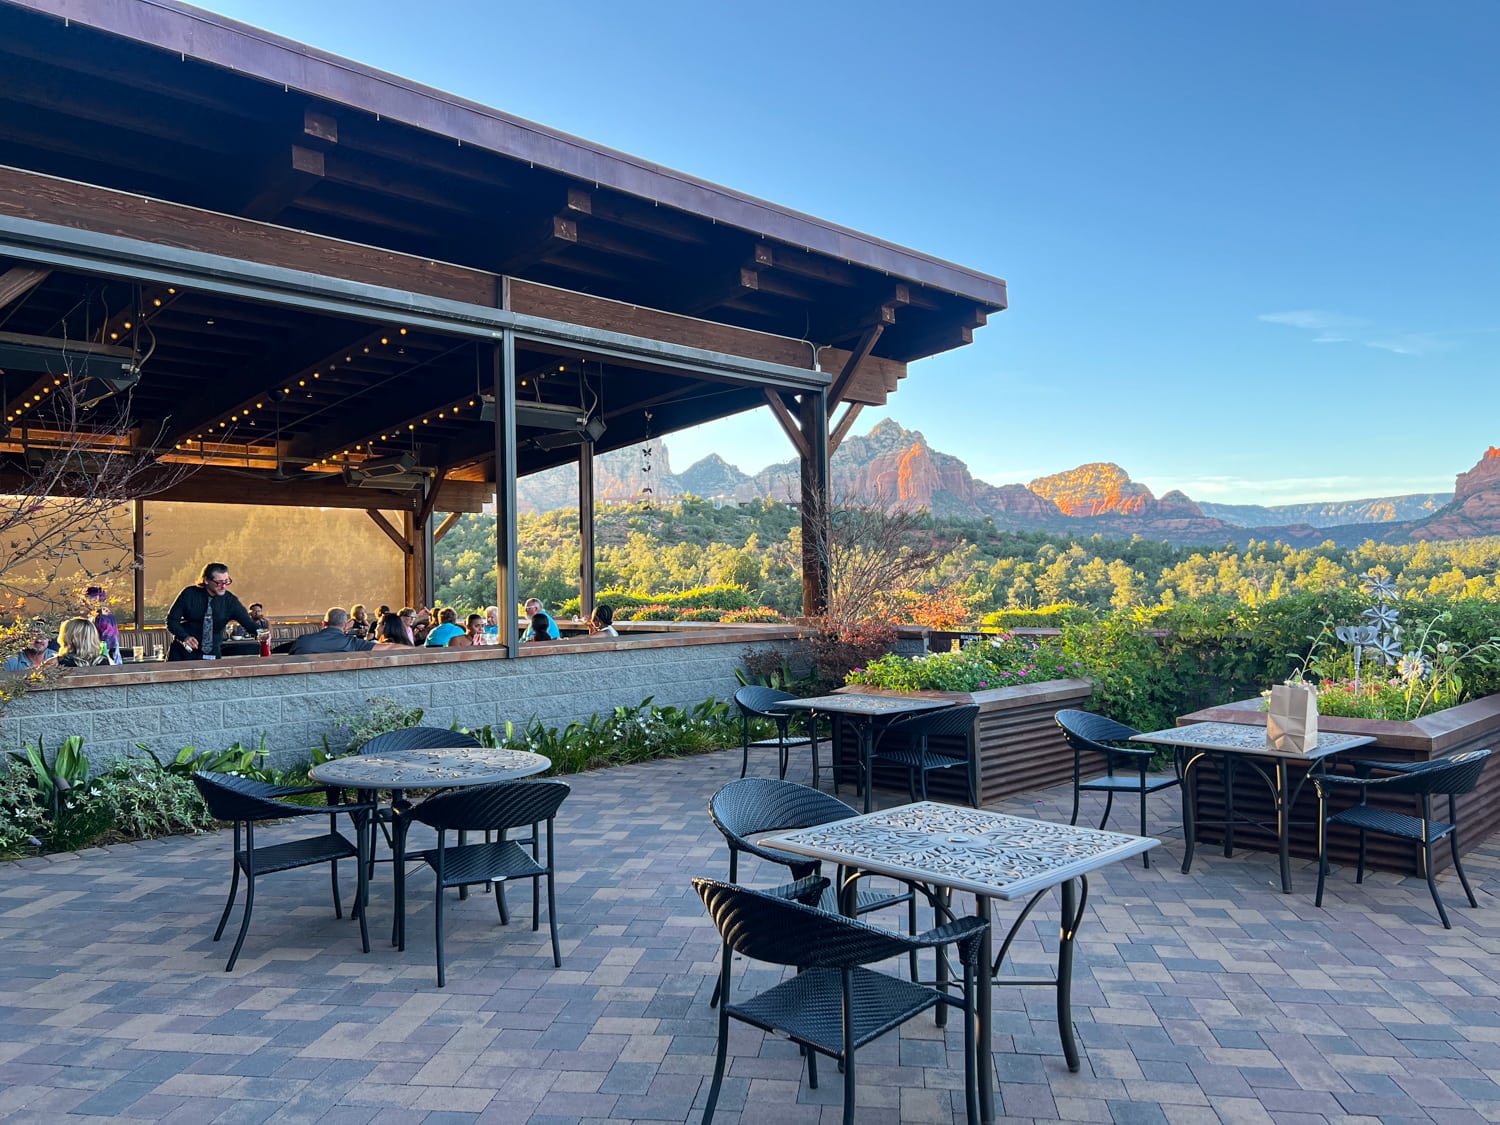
<point>36,655</point>
<point>533,611</point>
<point>439,636</point>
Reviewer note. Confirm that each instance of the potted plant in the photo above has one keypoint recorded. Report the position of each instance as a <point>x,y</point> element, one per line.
<point>1019,683</point>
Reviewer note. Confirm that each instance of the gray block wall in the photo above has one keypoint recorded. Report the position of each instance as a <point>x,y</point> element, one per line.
<point>293,702</point>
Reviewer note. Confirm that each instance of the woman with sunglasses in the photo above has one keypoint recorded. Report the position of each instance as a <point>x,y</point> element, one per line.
<point>199,615</point>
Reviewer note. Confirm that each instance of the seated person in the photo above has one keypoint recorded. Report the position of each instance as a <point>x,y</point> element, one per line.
<point>257,617</point>
<point>473,634</point>
<point>392,631</point>
<point>538,629</point>
<point>492,625</point>
<point>332,637</point>
<point>602,623</point>
<point>79,645</point>
<point>446,630</point>
<point>360,624</point>
<point>35,655</point>
<point>550,632</point>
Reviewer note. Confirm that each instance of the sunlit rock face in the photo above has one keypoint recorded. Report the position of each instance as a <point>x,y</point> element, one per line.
<point>1475,509</point>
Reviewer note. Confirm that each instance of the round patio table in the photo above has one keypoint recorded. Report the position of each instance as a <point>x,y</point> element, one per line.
<point>429,769</point>
<point>434,768</point>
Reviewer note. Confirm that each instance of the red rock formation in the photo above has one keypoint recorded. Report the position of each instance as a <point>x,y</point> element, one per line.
<point>1475,509</point>
<point>1096,489</point>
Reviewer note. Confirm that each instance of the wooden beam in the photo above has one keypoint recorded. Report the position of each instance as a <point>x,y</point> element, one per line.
<point>18,281</point>
<point>430,502</point>
<point>385,525</point>
<point>82,207</point>
<point>788,423</point>
<point>284,184</point>
<point>845,424</point>
<point>546,237</point>
<point>851,365</point>
<point>446,526</point>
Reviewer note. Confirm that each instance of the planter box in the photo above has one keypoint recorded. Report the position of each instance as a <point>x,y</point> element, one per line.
<point>1017,744</point>
<point>1470,726</point>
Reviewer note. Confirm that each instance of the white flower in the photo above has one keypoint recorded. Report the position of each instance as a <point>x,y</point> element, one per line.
<point>1412,666</point>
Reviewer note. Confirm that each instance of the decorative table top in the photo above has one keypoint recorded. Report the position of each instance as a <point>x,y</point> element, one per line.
<point>429,769</point>
<point>1247,738</point>
<point>972,850</point>
<point>871,706</point>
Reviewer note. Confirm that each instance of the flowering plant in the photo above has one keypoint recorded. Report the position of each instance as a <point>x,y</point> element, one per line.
<point>1410,679</point>
<point>1000,660</point>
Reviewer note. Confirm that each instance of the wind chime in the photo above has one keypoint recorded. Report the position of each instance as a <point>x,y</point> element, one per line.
<point>646,451</point>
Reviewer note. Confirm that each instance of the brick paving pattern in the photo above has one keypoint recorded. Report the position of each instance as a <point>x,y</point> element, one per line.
<point>1209,997</point>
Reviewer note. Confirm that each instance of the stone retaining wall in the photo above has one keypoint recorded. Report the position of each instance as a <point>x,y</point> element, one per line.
<point>289,699</point>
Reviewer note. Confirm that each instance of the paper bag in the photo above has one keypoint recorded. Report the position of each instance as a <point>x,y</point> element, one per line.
<point>1293,722</point>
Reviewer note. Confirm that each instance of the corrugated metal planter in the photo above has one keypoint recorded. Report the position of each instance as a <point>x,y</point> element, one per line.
<point>1017,743</point>
<point>1470,726</point>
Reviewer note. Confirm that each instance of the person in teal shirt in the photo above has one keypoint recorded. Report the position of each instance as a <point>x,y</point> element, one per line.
<point>533,611</point>
<point>448,626</point>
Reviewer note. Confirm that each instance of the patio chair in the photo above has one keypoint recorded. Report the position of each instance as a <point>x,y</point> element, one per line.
<point>243,803</point>
<point>919,758</point>
<point>833,1006</point>
<point>1095,734</point>
<point>1451,776</point>
<point>487,808</point>
<point>753,806</point>
<point>757,703</point>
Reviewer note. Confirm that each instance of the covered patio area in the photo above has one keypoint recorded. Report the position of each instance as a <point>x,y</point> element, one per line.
<point>1200,998</point>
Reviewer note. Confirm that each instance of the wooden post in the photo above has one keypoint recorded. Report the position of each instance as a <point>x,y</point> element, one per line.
<point>586,530</point>
<point>817,503</point>
<point>503,363</point>
<point>138,547</point>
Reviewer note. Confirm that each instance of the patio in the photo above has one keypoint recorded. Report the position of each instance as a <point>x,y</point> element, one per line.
<point>1207,997</point>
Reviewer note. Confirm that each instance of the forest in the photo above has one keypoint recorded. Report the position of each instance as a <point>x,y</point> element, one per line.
<point>691,543</point>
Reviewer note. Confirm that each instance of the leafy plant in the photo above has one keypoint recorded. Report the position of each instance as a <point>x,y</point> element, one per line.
<point>1002,660</point>
<point>147,800</point>
<point>351,731</point>
<point>55,780</point>
<point>23,820</point>
<point>236,759</point>
<point>628,734</point>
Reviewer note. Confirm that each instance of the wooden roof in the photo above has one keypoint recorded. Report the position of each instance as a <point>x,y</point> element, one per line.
<point>183,128</point>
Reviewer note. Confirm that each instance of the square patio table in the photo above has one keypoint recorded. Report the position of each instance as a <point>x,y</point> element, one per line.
<point>1229,744</point>
<point>863,713</point>
<point>991,856</point>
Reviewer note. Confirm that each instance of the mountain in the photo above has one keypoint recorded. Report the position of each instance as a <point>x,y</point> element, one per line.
<point>897,468</point>
<point>1386,509</point>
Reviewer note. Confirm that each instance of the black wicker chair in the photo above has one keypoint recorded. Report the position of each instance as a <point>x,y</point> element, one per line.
<point>1095,734</point>
<point>243,803</point>
<point>487,808</point>
<point>1450,776</point>
<point>833,1006</point>
<point>757,703</point>
<point>918,756</point>
<point>752,806</point>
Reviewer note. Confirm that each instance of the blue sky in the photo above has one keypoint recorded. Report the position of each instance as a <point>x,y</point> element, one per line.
<point>1253,250</point>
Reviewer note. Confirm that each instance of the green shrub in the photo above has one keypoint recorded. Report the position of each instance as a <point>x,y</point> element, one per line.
<point>23,821</point>
<point>628,734</point>
<point>351,731</point>
<point>147,800</point>
<point>1002,660</point>
<point>759,615</point>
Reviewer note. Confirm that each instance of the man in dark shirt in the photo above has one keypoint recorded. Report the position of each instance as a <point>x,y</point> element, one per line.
<point>331,637</point>
<point>200,613</point>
